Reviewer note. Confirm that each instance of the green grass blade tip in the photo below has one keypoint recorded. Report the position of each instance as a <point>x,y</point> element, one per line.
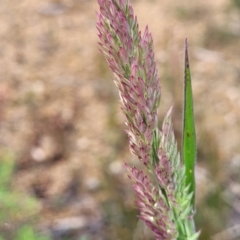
<point>189,136</point>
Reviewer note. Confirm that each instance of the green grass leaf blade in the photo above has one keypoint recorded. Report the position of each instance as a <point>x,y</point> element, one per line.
<point>189,136</point>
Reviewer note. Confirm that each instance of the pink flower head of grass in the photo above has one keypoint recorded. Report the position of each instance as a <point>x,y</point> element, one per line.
<point>131,58</point>
<point>162,195</point>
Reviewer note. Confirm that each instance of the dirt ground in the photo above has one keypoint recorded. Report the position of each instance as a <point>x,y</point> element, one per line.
<point>60,114</point>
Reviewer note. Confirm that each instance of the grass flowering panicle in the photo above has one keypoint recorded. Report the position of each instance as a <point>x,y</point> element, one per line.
<point>163,198</point>
<point>131,59</point>
<point>154,211</point>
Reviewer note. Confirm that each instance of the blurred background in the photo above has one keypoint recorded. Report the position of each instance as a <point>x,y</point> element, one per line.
<point>62,139</point>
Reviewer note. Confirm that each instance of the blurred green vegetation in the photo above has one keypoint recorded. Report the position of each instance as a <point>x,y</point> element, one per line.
<point>16,209</point>
<point>236,3</point>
